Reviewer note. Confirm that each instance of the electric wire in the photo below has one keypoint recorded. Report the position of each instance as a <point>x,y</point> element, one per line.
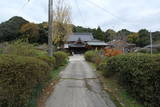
<point>80,13</point>
<point>105,10</point>
<point>23,6</point>
<point>108,12</point>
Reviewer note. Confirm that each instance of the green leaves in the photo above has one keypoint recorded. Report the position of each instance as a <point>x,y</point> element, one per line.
<point>138,73</point>
<point>61,58</point>
<point>18,77</point>
<point>10,29</point>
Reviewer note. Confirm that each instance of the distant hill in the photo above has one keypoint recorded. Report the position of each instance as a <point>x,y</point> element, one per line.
<point>9,30</point>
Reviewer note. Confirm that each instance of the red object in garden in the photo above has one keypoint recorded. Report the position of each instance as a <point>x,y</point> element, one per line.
<point>112,52</point>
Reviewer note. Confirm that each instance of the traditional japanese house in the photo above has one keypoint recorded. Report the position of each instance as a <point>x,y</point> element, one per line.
<point>81,42</point>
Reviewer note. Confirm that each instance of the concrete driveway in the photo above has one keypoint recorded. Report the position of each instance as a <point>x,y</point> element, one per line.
<point>79,87</point>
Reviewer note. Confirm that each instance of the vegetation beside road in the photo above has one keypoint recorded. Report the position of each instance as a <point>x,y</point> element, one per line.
<point>132,78</point>
<point>24,73</point>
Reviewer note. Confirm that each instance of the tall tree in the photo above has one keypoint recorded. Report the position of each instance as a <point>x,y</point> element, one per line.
<point>82,29</point>
<point>133,38</point>
<point>143,38</point>
<point>99,34</point>
<point>110,35</point>
<point>156,37</point>
<point>123,34</point>
<point>43,33</point>
<point>30,31</point>
<point>62,22</point>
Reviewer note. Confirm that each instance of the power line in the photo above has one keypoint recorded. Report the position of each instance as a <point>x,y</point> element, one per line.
<point>105,10</point>
<point>78,8</point>
<point>108,12</point>
<point>24,5</point>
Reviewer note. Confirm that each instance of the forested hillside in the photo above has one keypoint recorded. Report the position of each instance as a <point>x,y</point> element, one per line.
<point>9,30</point>
<point>19,28</point>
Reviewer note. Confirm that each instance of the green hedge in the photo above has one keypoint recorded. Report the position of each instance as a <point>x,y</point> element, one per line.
<point>51,61</point>
<point>102,66</point>
<point>90,56</point>
<point>139,74</point>
<point>94,56</point>
<point>18,77</point>
<point>61,58</point>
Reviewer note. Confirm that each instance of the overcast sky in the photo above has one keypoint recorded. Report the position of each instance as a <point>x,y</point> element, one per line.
<point>115,14</point>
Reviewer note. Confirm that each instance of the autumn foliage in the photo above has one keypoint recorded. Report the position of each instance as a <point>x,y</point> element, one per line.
<point>112,52</point>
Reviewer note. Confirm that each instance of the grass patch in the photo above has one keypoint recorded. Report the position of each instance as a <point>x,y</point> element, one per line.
<point>55,73</point>
<point>36,93</point>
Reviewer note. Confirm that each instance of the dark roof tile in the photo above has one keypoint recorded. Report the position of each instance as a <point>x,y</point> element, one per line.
<point>81,36</point>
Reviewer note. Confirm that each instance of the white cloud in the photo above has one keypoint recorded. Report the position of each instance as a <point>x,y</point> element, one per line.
<point>117,14</point>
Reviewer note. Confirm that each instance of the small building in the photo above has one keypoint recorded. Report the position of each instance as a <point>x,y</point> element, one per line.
<point>122,45</point>
<point>81,42</point>
<point>154,46</point>
<point>147,49</point>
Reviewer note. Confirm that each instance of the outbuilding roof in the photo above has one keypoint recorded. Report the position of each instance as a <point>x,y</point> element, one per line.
<point>153,46</point>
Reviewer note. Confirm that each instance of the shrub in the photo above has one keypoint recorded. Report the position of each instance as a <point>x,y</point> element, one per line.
<point>61,58</point>
<point>90,56</point>
<point>18,77</point>
<point>102,66</point>
<point>94,56</point>
<point>21,49</point>
<point>115,64</point>
<point>51,61</point>
<point>139,74</point>
<point>1,51</point>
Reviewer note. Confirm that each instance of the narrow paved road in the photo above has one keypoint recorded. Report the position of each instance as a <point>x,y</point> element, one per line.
<point>79,87</point>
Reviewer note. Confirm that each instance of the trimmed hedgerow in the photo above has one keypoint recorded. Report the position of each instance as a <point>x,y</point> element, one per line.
<point>90,56</point>
<point>61,58</point>
<point>51,61</point>
<point>139,74</point>
<point>102,66</point>
<point>18,77</point>
<point>94,56</point>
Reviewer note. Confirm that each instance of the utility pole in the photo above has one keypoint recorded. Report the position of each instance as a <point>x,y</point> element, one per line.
<point>151,42</point>
<point>50,28</point>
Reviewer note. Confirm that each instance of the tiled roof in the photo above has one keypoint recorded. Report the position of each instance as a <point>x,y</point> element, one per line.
<point>97,43</point>
<point>80,36</point>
